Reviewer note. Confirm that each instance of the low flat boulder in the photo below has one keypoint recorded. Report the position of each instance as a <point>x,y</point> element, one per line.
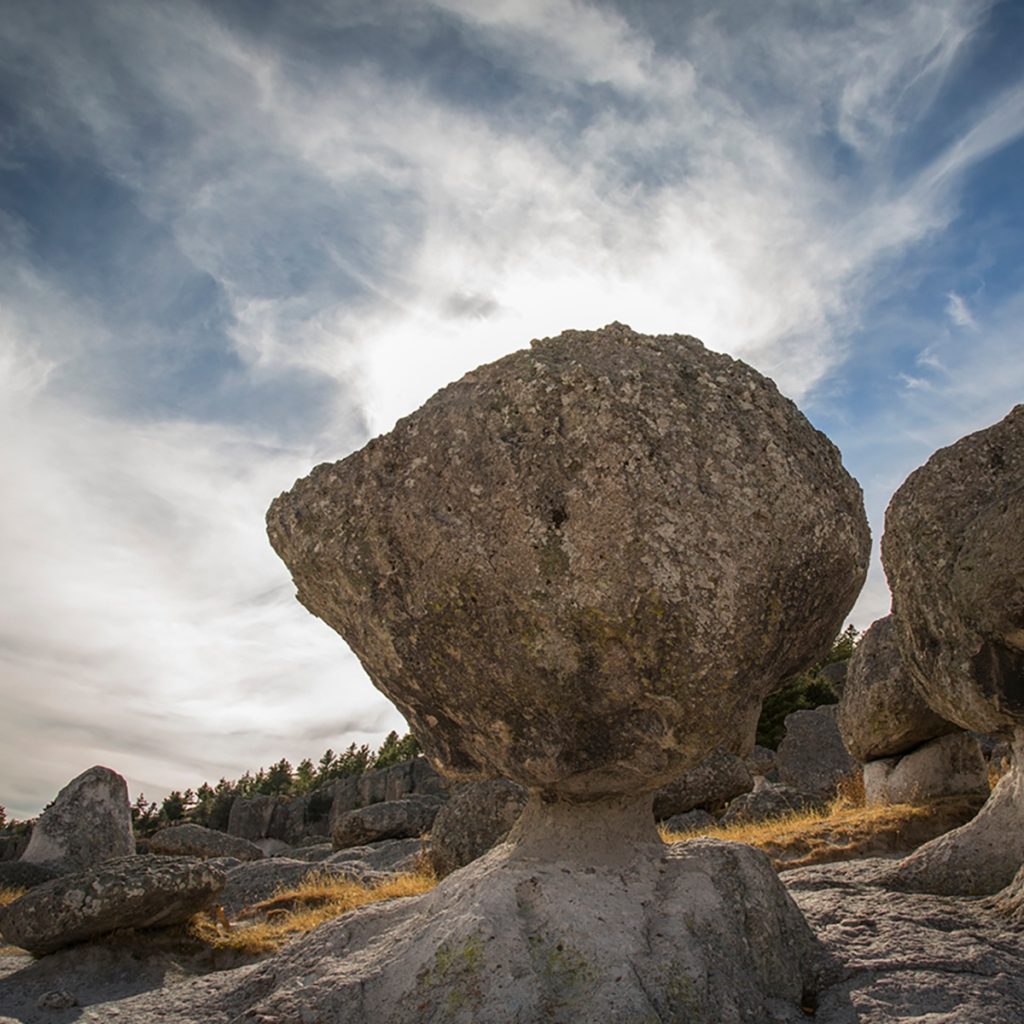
<point>811,756</point>
<point>771,800</point>
<point>391,855</point>
<point>391,819</point>
<point>948,766</point>
<point>716,780</point>
<point>692,821</point>
<point>88,822</point>
<point>20,874</point>
<point>196,841</point>
<point>477,817</point>
<point>125,892</point>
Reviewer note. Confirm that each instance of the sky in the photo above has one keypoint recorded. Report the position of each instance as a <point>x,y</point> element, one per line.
<point>239,238</point>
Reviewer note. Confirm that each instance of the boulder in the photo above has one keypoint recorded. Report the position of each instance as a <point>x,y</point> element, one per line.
<point>125,892</point>
<point>477,817</point>
<point>948,766</point>
<point>195,841</point>
<point>619,505</point>
<point>22,874</point>
<point>955,566</point>
<point>372,787</point>
<point>715,781</point>
<point>581,568</point>
<point>252,881</point>
<point>389,855</point>
<point>770,800</point>
<point>89,822</point>
<point>811,756</point>
<point>835,673</point>
<point>258,817</point>
<point>761,761</point>
<point>392,819</point>
<point>690,822</point>
<point>13,845</point>
<point>881,713</point>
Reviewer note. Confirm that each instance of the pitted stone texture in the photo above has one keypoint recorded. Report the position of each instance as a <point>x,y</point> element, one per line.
<point>702,932</point>
<point>477,817</point>
<point>811,756</point>
<point>392,819</point>
<point>583,566</point>
<point>89,822</point>
<point>948,766</point>
<point>712,783</point>
<point>881,713</point>
<point>126,892</point>
<point>195,841</point>
<point>955,562</point>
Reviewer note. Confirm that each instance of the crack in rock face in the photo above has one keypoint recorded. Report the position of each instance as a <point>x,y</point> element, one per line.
<point>582,567</point>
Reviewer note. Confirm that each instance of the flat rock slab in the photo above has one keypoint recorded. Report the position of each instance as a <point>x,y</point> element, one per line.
<point>900,957</point>
<point>127,892</point>
<point>196,841</point>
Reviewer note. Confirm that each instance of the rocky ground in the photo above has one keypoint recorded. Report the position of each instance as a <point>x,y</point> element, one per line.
<point>894,957</point>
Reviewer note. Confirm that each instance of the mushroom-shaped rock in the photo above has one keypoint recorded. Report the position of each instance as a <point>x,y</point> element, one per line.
<point>583,566</point>
<point>881,713</point>
<point>954,558</point>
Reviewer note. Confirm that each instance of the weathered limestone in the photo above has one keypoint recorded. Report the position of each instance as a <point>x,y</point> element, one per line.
<point>881,713</point>
<point>125,892</point>
<point>391,819</point>
<point>713,782</point>
<point>89,822</point>
<point>953,554</point>
<point>580,568</point>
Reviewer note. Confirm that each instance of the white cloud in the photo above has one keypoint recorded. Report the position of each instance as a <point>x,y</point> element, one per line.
<point>958,312</point>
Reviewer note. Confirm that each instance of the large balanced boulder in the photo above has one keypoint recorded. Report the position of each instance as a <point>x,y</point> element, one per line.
<point>630,523</point>
<point>195,841</point>
<point>581,568</point>
<point>88,822</point>
<point>881,713</point>
<point>955,562</point>
<point>951,765</point>
<point>126,892</point>
<point>478,816</point>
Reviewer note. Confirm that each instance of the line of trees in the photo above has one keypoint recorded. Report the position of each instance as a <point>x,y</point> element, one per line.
<point>210,805</point>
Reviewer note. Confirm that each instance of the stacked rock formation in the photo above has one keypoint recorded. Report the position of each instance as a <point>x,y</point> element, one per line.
<point>909,752</point>
<point>581,568</point>
<point>953,554</point>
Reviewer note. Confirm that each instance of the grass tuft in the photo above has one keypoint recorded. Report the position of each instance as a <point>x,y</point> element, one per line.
<point>8,894</point>
<point>319,897</point>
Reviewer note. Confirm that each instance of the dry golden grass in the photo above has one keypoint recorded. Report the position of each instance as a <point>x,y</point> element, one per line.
<point>842,830</point>
<point>319,897</point>
<point>9,894</point>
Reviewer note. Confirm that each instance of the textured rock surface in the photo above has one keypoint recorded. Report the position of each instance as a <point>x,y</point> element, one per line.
<point>89,822</point>
<point>126,892</point>
<point>811,756</point>
<point>881,713</point>
<point>258,817</point>
<point>955,564</point>
<point>390,855</point>
<point>196,841</point>
<point>477,817</point>
<point>691,821</point>
<point>656,536</point>
<point>953,556</point>
<point>771,800</point>
<point>902,957</point>
<point>392,819</point>
<point>715,781</point>
<point>949,766</point>
<point>21,874</point>
<point>761,761</point>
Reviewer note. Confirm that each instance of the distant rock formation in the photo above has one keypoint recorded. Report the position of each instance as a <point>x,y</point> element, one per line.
<point>88,822</point>
<point>954,558</point>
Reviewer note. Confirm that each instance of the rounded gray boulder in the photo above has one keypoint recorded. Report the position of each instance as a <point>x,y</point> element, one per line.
<point>583,566</point>
<point>881,713</point>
